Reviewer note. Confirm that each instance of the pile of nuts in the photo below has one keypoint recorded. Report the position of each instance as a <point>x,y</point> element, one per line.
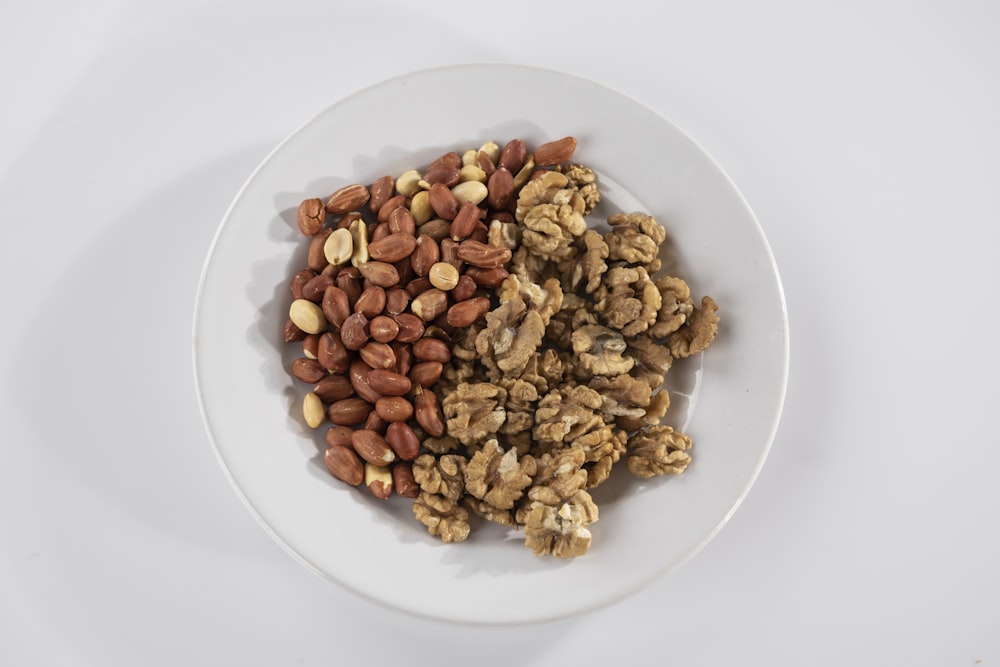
<point>475,346</point>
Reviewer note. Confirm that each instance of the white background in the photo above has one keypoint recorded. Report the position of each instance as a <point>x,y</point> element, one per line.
<point>866,137</point>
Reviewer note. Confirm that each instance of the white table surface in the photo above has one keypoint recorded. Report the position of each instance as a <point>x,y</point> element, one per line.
<point>866,137</point>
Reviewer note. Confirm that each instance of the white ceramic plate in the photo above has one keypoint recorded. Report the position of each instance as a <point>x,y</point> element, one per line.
<point>729,400</point>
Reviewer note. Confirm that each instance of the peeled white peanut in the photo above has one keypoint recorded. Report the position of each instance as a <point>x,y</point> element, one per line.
<point>492,151</point>
<point>420,207</point>
<point>470,156</point>
<point>307,316</point>
<point>471,172</point>
<point>339,246</point>
<point>312,410</point>
<point>473,191</point>
<point>359,241</point>
<point>408,182</point>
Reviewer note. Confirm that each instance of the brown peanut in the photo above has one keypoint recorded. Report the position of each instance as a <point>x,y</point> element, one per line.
<point>513,155</point>
<point>425,254</point>
<point>431,349</point>
<point>314,289</point>
<point>348,198</point>
<point>394,408</point>
<point>308,370</point>
<point>316,258</point>
<point>403,440</point>
<point>426,373</point>
<point>336,305</point>
<point>411,327</point>
<point>299,280</point>
<point>396,300</point>
<point>293,334</point>
<point>464,313</point>
<point>488,278</point>
<point>310,346</point>
<point>388,383</point>
<point>465,221</point>
<point>376,423</point>
<point>401,221</point>
<point>382,274</point>
<point>378,355</point>
<point>358,374</point>
<point>387,208</point>
<point>404,357</point>
<point>311,216</point>
<point>392,248</point>
<point>383,328</point>
<point>349,280</point>
<point>402,478</point>
<point>372,447</point>
<point>437,229</point>
<point>334,388</point>
<point>349,411</point>
<point>427,412</point>
<point>439,172</point>
<point>371,302</point>
<point>555,152</point>
<point>381,191</point>
<point>338,436</point>
<point>482,255</point>
<point>449,253</point>
<point>344,464</point>
<point>464,289</point>
<point>443,201</point>
<point>332,354</point>
<point>354,332</point>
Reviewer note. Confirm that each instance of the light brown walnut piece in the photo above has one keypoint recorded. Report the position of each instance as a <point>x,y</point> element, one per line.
<point>594,260</point>
<point>628,300</point>
<point>603,458</point>
<point>454,373</point>
<point>599,351</point>
<point>559,476</point>
<point>545,369</point>
<point>551,211</point>
<point>528,266</point>
<point>652,360</point>
<point>561,531</point>
<point>576,312</point>
<point>498,477</point>
<point>623,396</point>
<point>520,406</point>
<point>658,450</point>
<point>513,332</point>
<point>486,511</point>
<point>442,445</point>
<point>634,238</point>
<point>474,412</point>
<point>698,332</point>
<point>444,476</point>
<point>504,234</point>
<point>659,403</point>
<point>565,414</point>
<point>546,298</point>
<point>443,516</point>
<point>675,306</point>
<point>585,181</point>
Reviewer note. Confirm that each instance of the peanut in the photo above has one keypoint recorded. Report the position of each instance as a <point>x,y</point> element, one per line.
<point>307,316</point>
<point>308,370</point>
<point>378,479</point>
<point>372,447</point>
<point>443,276</point>
<point>338,247</point>
<point>344,464</point>
<point>334,388</point>
<point>431,349</point>
<point>312,410</point>
<point>378,355</point>
<point>311,216</point>
<point>332,354</point>
<point>354,333</point>
<point>349,411</point>
<point>358,374</point>
<point>402,478</point>
<point>388,383</point>
<point>403,440</point>
<point>427,412</point>
<point>469,191</point>
<point>394,408</point>
<point>428,305</point>
<point>338,436</point>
